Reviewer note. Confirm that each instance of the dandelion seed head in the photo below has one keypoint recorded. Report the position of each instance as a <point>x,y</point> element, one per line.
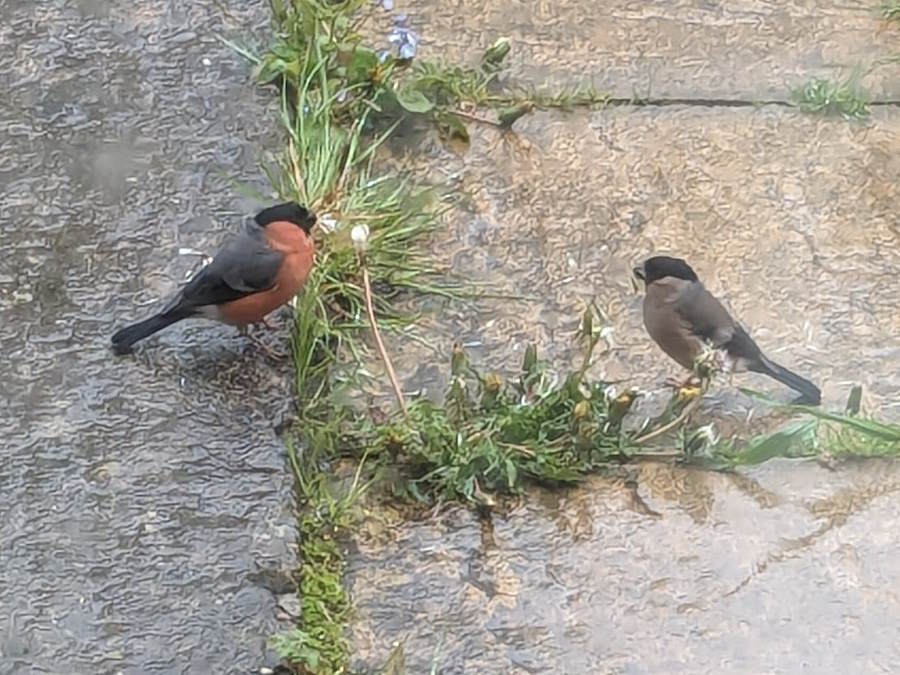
<point>359,235</point>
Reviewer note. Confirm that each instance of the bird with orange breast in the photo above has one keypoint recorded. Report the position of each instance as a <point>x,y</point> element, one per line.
<point>253,274</point>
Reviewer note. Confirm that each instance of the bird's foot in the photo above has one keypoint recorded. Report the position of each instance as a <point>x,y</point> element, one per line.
<point>276,354</point>
<point>675,383</point>
<point>672,383</point>
<point>268,323</point>
<point>268,349</point>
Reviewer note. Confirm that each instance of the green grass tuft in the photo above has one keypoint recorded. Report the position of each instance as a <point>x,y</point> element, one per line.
<point>890,10</point>
<point>845,98</point>
<point>331,168</point>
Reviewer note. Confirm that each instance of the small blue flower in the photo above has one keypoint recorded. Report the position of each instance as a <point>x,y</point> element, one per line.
<point>405,39</point>
<point>386,5</point>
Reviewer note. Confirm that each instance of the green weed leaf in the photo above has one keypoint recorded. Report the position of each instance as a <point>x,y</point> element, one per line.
<point>362,63</point>
<point>414,101</point>
<point>782,443</point>
<point>452,127</point>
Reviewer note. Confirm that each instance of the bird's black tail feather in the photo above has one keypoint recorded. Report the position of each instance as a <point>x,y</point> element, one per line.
<point>124,340</point>
<point>810,393</point>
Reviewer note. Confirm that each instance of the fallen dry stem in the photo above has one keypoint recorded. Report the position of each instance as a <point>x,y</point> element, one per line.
<point>476,118</point>
<point>656,433</point>
<point>370,310</point>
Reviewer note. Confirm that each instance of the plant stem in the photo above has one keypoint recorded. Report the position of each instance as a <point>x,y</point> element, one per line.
<point>476,118</point>
<point>370,310</point>
<point>671,425</point>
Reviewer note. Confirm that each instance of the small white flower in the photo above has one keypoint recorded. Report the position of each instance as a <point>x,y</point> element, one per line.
<point>360,237</point>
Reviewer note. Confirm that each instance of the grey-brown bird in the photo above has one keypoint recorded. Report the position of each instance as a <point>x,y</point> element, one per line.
<point>682,317</point>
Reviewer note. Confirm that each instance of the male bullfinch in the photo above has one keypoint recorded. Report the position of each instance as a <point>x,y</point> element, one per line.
<point>681,315</point>
<point>256,272</point>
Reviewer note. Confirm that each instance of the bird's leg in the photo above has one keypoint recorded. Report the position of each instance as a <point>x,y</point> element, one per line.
<point>675,383</point>
<point>672,382</point>
<point>274,353</point>
<point>268,323</point>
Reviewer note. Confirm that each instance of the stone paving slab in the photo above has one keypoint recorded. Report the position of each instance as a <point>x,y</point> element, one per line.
<point>789,569</point>
<point>700,49</point>
<point>790,218</point>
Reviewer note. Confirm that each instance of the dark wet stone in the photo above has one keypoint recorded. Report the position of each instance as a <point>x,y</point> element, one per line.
<point>139,493</point>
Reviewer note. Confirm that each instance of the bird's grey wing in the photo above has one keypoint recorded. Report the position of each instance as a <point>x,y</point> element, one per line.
<point>245,265</point>
<point>743,349</point>
<point>703,315</point>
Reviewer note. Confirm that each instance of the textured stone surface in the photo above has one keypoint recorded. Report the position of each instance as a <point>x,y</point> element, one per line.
<point>146,498</point>
<point>787,217</point>
<point>792,220</point>
<point>748,49</point>
<point>790,569</point>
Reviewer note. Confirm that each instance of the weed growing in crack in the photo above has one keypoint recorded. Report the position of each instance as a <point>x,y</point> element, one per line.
<point>845,98</point>
<point>890,10</point>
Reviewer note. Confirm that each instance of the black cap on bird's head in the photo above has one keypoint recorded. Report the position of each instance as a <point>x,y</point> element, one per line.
<point>661,266</point>
<point>290,212</point>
